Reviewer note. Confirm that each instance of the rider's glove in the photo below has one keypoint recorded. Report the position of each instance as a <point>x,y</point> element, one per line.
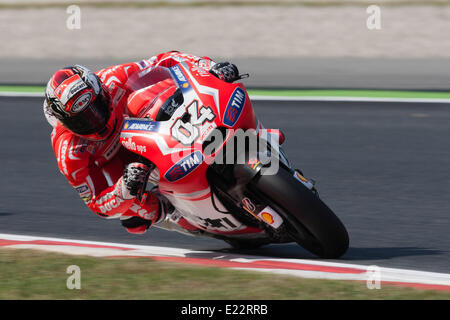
<point>135,225</point>
<point>225,71</point>
<point>149,211</point>
<point>133,180</point>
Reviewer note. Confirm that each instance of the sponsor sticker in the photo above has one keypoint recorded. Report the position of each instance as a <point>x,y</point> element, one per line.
<point>82,146</point>
<point>180,78</point>
<point>82,189</point>
<point>91,149</point>
<point>143,212</point>
<point>269,216</point>
<point>140,125</point>
<point>303,180</point>
<point>254,163</point>
<point>84,192</point>
<point>143,64</point>
<point>201,71</point>
<point>111,204</point>
<point>62,156</point>
<point>247,203</point>
<point>112,149</point>
<point>132,146</point>
<point>77,87</point>
<point>184,167</point>
<point>87,198</point>
<point>69,88</point>
<point>234,107</point>
<point>82,102</point>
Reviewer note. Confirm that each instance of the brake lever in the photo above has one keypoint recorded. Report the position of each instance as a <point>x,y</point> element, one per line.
<point>243,76</point>
<point>142,195</point>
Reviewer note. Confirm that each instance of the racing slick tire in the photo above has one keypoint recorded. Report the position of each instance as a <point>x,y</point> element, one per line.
<point>309,221</point>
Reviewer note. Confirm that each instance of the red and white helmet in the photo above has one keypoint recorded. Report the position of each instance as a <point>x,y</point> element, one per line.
<point>79,100</point>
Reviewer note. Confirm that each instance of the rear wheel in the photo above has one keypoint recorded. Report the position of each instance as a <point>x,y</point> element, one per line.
<point>308,219</point>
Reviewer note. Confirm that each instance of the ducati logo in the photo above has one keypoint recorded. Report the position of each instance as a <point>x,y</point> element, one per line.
<point>247,203</point>
<point>111,204</point>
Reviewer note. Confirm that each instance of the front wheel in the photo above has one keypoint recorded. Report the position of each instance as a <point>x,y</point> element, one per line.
<point>309,220</point>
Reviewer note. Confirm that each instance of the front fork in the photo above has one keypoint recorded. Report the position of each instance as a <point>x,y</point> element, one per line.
<point>232,179</point>
<point>253,204</point>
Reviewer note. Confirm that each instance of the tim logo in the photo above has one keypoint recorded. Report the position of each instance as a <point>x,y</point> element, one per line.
<point>185,166</point>
<point>181,78</point>
<point>234,107</point>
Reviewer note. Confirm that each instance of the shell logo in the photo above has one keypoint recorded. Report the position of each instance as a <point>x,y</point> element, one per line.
<point>126,125</point>
<point>267,217</point>
<point>185,85</point>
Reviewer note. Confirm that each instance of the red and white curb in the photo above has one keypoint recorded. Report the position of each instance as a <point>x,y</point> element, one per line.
<point>294,267</point>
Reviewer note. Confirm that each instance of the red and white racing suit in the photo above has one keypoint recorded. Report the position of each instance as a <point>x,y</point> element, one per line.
<point>95,169</point>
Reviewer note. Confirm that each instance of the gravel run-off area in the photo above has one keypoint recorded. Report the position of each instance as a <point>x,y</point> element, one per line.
<point>227,31</point>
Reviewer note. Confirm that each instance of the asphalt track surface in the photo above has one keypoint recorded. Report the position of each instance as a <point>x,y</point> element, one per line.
<point>299,72</point>
<point>384,168</point>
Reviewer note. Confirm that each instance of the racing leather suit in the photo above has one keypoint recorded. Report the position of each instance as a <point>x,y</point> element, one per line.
<point>95,168</point>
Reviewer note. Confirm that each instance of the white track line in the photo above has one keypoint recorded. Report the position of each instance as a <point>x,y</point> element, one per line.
<point>347,99</point>
<point>286,98</point>
<point>22,94</point>
<point>296,267</point>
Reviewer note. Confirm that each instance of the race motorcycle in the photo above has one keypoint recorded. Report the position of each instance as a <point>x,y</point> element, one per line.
<point>245,202</point>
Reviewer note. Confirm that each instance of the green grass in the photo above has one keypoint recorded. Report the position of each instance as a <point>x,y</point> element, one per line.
<point>22,89</point>
<point>30,274</point>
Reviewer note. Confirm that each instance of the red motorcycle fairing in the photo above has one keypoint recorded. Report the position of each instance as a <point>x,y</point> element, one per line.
<point>175,146</point>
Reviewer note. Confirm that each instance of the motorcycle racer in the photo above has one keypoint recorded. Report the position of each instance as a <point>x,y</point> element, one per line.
<point>86,110</point>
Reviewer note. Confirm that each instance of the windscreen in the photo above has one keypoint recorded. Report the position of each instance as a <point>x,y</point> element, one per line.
<point>147,77</point>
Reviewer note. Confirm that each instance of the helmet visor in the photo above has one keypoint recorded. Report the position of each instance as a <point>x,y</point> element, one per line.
<point>92,119</point>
